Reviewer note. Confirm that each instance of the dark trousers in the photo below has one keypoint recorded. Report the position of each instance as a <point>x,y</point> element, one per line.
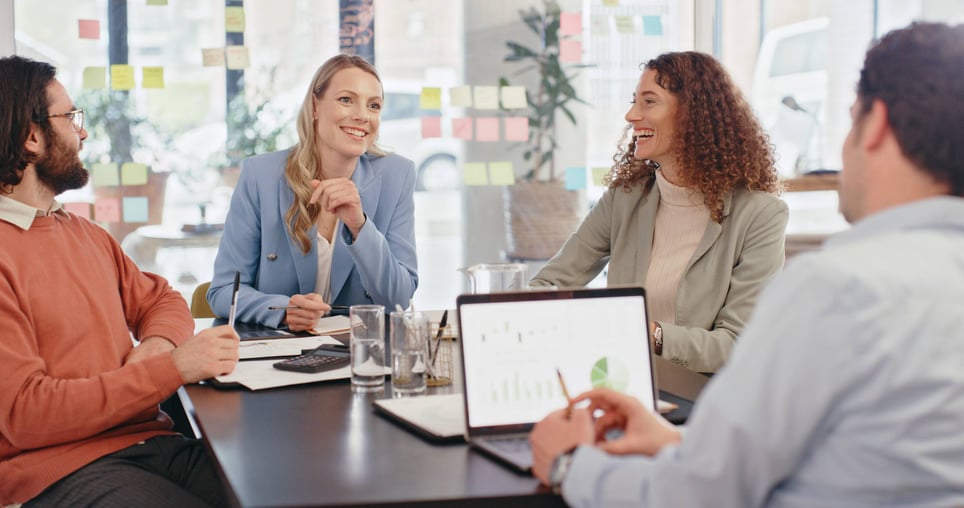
<point>166,471</point>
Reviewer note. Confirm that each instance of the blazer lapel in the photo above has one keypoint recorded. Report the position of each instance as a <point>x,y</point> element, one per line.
<point>712,233</point>
<point>369,189</point>
<point>645,229</point>
<point>306,265</point>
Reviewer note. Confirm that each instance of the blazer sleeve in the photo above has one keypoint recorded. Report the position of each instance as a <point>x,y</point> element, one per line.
<point>760,259</point>
<point>586,251</point>
<point>386,260</point>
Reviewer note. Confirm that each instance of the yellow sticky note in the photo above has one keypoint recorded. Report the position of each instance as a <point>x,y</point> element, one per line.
<point>95,77</point>
<point>153,77</point>
<point>133,173</point>
<point>431,98</point>
<point>237,57</point>
<point>611,3</point>
<point>122,77</point>
<point>460,96</point>
<point>234,19</point>
<point>625,24</point>
<point>514,97</point>
<point>486,97</point>
<point>212,57</point>
<point>500,173</point>
<point>105,174</point>
<point>598,174</point>
<point>156,2</point>
<point>474,174</point>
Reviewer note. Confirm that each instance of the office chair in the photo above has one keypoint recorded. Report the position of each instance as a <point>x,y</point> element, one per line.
<point>199,302</point>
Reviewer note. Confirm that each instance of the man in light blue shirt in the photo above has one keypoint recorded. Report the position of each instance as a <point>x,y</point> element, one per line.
<point>847,385</point>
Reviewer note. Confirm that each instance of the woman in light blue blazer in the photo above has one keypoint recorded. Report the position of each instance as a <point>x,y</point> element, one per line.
<point>329,221</point>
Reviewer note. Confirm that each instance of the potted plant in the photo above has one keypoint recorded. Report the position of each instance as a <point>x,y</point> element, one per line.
<point>540,213</point>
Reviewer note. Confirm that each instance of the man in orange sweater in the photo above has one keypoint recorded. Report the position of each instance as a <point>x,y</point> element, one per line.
<point>79,417</point>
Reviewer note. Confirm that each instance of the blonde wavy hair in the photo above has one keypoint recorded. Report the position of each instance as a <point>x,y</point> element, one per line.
<point>303,164</point>
<point>719,144</point>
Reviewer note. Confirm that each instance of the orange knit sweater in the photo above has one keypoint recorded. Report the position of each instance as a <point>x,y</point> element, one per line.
<point>69,300</point>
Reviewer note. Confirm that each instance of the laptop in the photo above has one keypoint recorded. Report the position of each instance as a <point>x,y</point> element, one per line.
<point>512,344</point>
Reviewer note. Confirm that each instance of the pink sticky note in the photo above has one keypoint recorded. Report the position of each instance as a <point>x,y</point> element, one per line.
<point>570,50</point>
<point>570,23</point>
<point>107,210</point>
<point>517,128</point>
<point>80,209</point>
<point>487,129</point>
<point>431,127</point>
<point>462,128</point>
<point>88,28</point>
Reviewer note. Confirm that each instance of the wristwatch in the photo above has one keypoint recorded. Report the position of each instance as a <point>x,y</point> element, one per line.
<point>559,470</point>
<point>658,340</point>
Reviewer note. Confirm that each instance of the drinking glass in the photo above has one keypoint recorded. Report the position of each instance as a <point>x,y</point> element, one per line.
<point>367,347</point>
<point>409,340</point>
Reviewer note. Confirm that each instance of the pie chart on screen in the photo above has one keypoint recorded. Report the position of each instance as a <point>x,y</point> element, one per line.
<point>609,372</point>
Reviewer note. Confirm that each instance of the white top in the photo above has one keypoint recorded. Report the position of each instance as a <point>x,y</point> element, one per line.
<point>323,280</point>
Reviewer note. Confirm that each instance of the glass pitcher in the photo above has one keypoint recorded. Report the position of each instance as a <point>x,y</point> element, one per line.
<point>496,277</point>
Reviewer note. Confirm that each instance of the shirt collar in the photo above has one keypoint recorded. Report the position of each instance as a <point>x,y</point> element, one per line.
<point>939,212</point>
<point>22,215</point>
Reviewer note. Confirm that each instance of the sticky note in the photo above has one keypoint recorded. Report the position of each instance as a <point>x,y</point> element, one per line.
<point>107,210</point>
<point>599,24</point>
<point>570,23</point>
<point>517,128</point>
<point>135,209</point>
<point>95,77</point>
<point>121,77</point>
<point>133,173</point>
<point>652,25</point>
<point>237,57</point>
<point>487,128</point>
<point>234,19</point>
<point>212,57</point>
<point>625,24</point>
<point>156,2</point>
<point>462,128</point>
<point>431,98</point>
<point>80,209</point>
<point>611,3</point>
<point>473,173</point>
<point>153,77</point>
<point>88,29</point>
<point>514,97</point>
<point>105,174</point>
<point>500,173</point>
<point>575,178</point>
<point>598,174</point>
<point>486,97</point>
<point>570,50</point>
<point>460,96</point>
<point>431,127</point>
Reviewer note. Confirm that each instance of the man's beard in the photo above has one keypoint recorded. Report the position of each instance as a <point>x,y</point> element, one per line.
<point>60,168</point>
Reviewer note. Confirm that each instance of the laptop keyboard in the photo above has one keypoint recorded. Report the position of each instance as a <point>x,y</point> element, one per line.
<point>510,444</point>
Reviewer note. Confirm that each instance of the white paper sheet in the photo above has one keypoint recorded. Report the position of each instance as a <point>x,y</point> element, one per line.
<point>261,374</point>
<point>269,348</point>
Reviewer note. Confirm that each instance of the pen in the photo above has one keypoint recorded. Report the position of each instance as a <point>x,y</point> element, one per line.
<point>438,336</point>
<point>234,299</point>
<point>283,307</point>
<point>565,391</point>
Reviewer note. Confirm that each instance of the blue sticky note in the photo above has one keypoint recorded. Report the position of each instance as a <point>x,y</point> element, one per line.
<point>652,25</point>
<point>575,178</point>
<point>135,209</point>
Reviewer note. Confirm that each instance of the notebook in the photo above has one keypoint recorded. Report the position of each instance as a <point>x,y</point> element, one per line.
<point>512,344</point>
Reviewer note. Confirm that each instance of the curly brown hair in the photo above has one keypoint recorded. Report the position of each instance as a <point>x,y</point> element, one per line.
<point>719,143</point>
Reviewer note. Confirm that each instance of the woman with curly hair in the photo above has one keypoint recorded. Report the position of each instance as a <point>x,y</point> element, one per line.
<point>691,212</point>
<point>330,221</point>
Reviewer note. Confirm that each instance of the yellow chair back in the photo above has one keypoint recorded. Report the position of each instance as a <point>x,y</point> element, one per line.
<point>199,302</point>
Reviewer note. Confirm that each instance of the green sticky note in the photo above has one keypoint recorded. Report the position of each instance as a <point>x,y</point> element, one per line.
<point>234,19</point>
<point>133,173</point>
<point>625,24</point>
<point>501,173</point>
<point>153,77</point>
<point>431,98</point>
<point>95,77</point>
<point>121,77</point>
<point>474,174</point>
<point>156,2</point>
<point>135,209</point>
<point>105,174</point>
<point>598,174</point>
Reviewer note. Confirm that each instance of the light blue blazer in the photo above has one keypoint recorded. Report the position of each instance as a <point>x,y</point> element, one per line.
<point>378,267</point>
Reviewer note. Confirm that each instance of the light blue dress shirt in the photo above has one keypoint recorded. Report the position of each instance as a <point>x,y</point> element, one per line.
<point>845,389</point>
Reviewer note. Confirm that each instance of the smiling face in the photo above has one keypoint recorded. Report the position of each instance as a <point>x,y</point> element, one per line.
<point>653,120</point>
<point>347,114</point>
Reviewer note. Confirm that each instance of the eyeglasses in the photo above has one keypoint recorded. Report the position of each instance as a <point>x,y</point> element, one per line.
<point>76,116</point>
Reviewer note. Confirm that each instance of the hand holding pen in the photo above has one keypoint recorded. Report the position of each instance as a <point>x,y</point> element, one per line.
<point>303,311</point>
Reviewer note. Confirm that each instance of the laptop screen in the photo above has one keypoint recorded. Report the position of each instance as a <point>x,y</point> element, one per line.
<point>512,344</point>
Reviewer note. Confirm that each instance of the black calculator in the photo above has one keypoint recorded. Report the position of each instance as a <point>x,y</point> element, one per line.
<point>313,362</point>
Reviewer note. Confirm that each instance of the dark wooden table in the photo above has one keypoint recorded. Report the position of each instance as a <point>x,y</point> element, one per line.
<point>322,445</point>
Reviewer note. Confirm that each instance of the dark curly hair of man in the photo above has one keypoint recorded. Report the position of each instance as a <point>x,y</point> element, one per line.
<point>719,144</point>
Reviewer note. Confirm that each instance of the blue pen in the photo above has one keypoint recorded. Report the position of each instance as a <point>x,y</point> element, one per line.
<point>234,298</point>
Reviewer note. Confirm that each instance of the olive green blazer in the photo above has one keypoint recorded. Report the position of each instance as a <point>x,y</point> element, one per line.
<point>720,284</point>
